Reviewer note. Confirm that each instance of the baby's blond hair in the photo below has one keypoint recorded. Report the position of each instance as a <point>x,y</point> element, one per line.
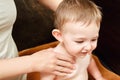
<point>77,10</point>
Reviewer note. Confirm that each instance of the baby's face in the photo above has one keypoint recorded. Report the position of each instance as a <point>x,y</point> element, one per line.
<point>80,39</point>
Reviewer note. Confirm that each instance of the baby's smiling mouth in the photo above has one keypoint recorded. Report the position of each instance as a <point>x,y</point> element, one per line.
<point>81,54</point>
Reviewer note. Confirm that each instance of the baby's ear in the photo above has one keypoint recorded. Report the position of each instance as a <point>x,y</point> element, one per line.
<point>57,34</point>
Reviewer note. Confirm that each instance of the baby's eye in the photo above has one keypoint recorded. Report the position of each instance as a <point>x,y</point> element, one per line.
<point>79,41</point>
<point>94,40</point>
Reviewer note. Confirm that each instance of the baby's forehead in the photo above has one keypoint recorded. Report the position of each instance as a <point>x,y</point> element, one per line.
<point>80,23</point>
<point>78,27</point>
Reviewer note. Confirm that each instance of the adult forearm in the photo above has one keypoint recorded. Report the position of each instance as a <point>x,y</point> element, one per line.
<point>14,67</point>
<point>42,61</point>
<point>52,4</point>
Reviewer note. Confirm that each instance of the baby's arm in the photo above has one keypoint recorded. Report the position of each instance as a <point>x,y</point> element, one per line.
<point>94,71</point>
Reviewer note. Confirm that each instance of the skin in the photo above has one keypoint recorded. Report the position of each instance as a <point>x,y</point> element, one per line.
<point>81,39</point>
<point>42,61</point>
<point>78,39</point>
<point>52,4</point>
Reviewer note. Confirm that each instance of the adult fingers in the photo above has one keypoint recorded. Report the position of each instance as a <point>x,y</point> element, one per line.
<point>61,69</point>
<point>65,64</point>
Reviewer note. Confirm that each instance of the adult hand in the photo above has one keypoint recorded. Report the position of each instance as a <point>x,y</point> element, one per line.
<point>48,61</point>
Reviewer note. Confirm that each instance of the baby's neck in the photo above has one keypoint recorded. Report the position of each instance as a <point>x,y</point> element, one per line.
<point>61,49</point>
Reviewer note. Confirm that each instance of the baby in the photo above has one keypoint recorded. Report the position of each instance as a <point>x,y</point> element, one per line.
<point>77,25</point>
